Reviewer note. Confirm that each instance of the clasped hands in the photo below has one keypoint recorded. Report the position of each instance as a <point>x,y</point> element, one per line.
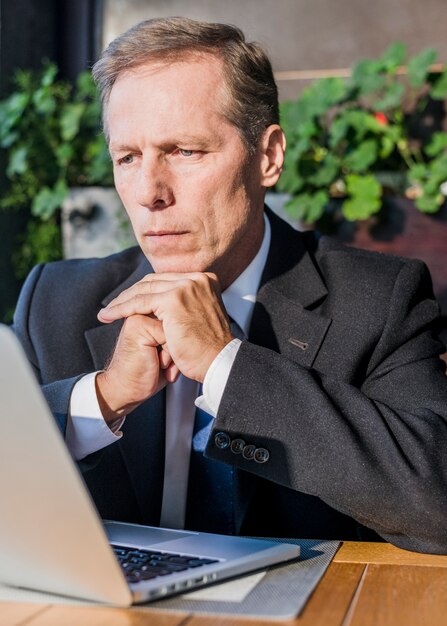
<point>173,323</point>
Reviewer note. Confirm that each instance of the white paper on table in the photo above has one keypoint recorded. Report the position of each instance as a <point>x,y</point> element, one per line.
<point>232,591</point>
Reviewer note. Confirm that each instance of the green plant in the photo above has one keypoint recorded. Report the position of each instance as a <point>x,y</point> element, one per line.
<point>50,132</point>
<point>355,139</point>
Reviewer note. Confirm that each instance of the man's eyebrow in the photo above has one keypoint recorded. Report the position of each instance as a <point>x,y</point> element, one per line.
<point>197,143</point>
<point>120,147</point>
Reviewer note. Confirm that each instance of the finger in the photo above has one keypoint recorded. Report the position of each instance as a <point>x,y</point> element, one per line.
<point>140,304</point>
<point>159,283</point>
<point>173,276</point>
<point>164,358</point>
<point>149,329</point>
<point>172,373</point>
<point>155,328</point>
<point>139,289</point>
<point>143,288</point>
<point>155,283</point>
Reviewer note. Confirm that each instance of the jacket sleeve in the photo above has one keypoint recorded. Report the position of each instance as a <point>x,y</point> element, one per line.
<point>57,393</point>
<point>374,451</point>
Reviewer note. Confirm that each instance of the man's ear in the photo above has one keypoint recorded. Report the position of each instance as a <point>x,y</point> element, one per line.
<point>273,145</point>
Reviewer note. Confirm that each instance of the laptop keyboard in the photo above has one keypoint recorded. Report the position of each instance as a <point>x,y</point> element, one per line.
<point>141,565</point>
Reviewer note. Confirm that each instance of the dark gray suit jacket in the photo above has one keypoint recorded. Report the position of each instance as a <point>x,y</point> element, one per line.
<point>340,381</point>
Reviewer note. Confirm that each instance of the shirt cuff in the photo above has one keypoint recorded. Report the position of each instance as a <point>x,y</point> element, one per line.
<point>216,378</point>
<point>87,431</point>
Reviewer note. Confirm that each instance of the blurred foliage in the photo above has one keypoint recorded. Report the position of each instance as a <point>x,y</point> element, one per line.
<point>358,138</point>
<point>50,132</point>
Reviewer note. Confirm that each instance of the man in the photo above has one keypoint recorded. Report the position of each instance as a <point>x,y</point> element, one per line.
<point>329,415</point>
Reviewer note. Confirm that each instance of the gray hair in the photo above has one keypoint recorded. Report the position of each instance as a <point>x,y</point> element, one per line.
<point>253,102</point>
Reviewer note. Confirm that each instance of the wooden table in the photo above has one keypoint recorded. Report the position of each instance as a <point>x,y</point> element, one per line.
<point>367,584</point>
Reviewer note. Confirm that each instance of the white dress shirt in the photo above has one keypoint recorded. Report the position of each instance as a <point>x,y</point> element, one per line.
<point>88,432</point>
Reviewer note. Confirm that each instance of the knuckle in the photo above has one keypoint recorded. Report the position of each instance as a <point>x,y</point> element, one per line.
<point>211,277</point>
<point>202,278</point>
<point>132,322</point>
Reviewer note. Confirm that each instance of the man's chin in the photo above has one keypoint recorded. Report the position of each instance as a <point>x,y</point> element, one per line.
<point>175,266</point>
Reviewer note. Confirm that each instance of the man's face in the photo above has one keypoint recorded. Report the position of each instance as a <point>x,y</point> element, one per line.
<point>193,195</point>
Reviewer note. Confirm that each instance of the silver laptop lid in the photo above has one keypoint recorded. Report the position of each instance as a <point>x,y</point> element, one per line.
<point>50,535</point>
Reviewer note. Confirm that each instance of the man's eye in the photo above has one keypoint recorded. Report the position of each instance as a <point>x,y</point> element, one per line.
<point>186,153</point>
<point>126,160</point>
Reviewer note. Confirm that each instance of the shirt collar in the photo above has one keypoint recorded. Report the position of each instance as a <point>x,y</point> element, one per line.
<point>240,297</point>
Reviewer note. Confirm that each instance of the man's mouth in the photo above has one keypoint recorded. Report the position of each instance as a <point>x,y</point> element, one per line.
<point>164,233</point>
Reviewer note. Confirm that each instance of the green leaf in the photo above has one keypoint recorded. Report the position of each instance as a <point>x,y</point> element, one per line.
<point>17,162</point>
<point>363,186</point>
<point>48,200</point>
<point>364,197</point>
<point>418,67</point>
<point>386,147</point>
<point>339,129</point>
<point>362,157</point>
<point>437,168</point>
<point>393,57</point>
<point>297,150</point>
<point>437,144</point>
<point>8,140</point>
<point>296,206</point>
<point>16,104</point>
<point>327,171</point>
<point>100,170</point>
<point>294,125</point>
<point>64,153</point>
<point>317,206</point>
<point>44,101</point>
<point>40,243</point>
<point>49,75</point>
<point>439,89</point>
<point>11,112</point>
<point>391,98</point>
<point>70,120</point>
<point>431,186</point>
<point>417,173</point>
<point>85,86</point>
<point>347,119</point>
<point>367,78</point>
<point>290,117</point>
<point>328,92</point>
<point>429,203</point>
<point>314,102</point>
<point>361,121</point>
<point>290,180</point>
<point>370,76</point>
<point>307,129</point>
<point>307,207</point>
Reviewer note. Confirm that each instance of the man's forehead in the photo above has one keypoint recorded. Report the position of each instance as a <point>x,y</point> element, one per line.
<point>184,95</point>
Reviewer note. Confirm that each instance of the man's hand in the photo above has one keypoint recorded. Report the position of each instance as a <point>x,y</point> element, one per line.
<point>140,366</point>
<point>190,308</point>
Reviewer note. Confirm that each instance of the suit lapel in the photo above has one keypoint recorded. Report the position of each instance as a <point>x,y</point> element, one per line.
<point>143,443</point>
<point>284,317</point>
<point>285,326</point>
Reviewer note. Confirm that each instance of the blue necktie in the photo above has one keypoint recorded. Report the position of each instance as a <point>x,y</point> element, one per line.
<point>210,503</point>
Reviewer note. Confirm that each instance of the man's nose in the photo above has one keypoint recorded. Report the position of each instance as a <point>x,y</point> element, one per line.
<point>154,186</point>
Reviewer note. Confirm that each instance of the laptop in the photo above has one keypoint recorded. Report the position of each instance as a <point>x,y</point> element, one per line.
<point>51,537</point>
